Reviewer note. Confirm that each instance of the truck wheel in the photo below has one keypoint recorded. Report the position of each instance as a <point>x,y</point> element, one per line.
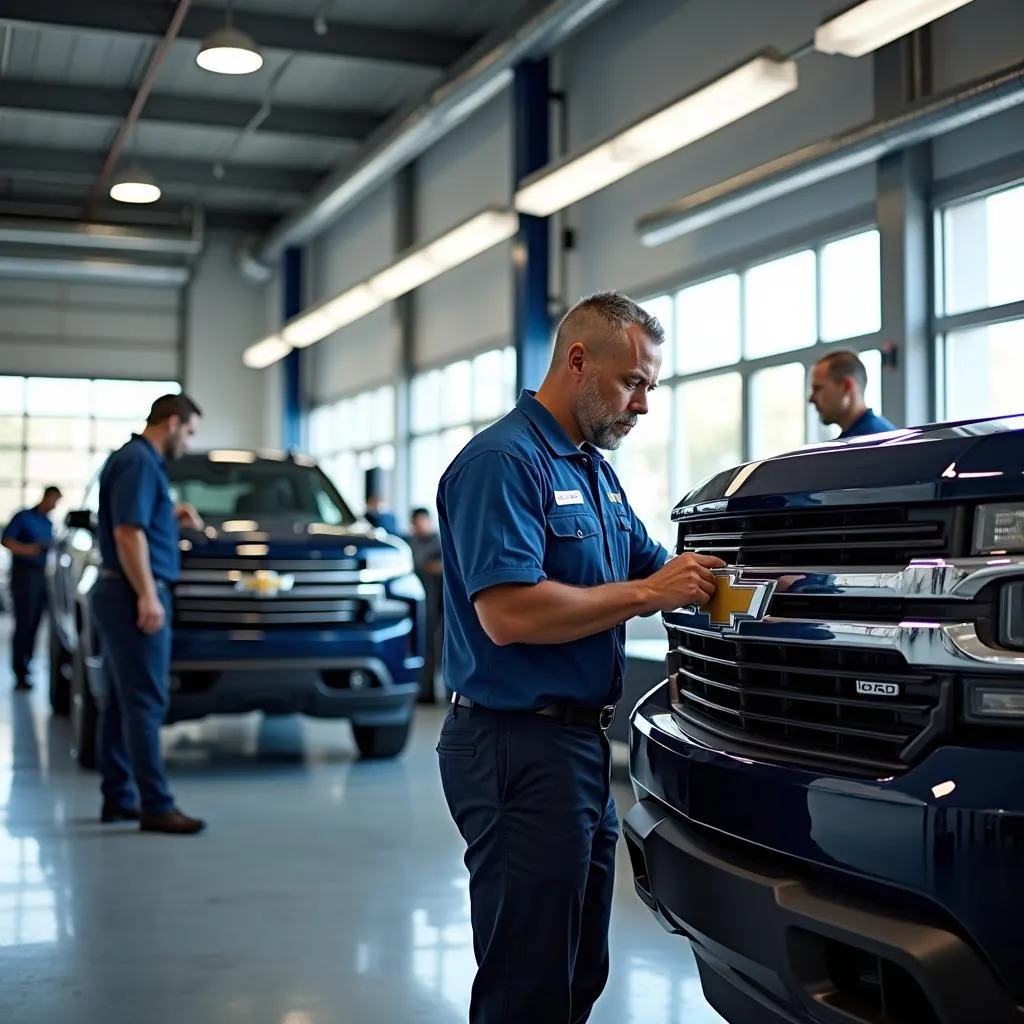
<point>61,668</point>
<point>84,715</point>
<point>382,741</point>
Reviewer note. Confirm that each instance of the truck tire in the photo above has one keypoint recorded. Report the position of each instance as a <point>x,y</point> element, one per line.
<point>61,667</point>
<point>84,716</point>
<point>382,741</point>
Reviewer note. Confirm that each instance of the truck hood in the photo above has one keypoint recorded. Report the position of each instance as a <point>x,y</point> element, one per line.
<point>285,537</point>
<point>970,460</point>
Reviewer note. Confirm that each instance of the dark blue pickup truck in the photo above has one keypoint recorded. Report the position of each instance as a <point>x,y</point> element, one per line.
<point>830,782</point>
<point>286,604</point>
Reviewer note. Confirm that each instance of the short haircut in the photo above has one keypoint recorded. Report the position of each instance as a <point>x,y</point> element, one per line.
<point>417,512</point>
<point>607,312</point>
<point>167,406</point>
<point>52,490</point>
<point>845,363</point>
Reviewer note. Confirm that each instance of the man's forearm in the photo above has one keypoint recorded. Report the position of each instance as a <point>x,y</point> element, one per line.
<point>554,613</point>
<point>133,555</point>
<point>17,547</point>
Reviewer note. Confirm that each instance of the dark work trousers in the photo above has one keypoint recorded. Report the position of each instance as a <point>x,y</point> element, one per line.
<point>28,595</point>
<point>532,799</point>
<point>135,698</point>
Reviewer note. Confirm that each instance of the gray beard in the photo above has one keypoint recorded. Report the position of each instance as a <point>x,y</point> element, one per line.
<point>596,421</point>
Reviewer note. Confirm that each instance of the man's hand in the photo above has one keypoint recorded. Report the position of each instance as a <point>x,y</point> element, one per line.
<point>683,580</point>
<point>151,614</point>
<point>188,516</point>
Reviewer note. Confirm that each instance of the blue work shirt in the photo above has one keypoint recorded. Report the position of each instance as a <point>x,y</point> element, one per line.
<point>521,504</point>
<point>30,526</point>
<point>869,423</point>
<point>135,491</point>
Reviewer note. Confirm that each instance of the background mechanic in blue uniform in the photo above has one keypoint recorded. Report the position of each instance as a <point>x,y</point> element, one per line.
<point>544,561</point>
<point>131,610</point>
<point>27,537</point>
<point>838,383</point>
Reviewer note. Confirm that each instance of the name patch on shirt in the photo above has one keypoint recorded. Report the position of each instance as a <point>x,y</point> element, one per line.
<point>568,497</point>
<point>615,498</point>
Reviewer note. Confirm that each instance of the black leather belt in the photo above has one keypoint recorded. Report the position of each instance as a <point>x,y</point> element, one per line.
<point>116,574</point>
<point>571,714</point>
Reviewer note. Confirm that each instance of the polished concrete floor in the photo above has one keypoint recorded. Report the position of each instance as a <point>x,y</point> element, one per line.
<point>326,891</point>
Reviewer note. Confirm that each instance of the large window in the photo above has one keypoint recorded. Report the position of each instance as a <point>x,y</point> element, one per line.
<point>738,353</point>
<point>448,406</point>
<point>354,435</point>
<point>60,430</point>
<point>981,305</point>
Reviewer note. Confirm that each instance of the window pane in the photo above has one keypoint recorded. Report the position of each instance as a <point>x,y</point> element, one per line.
<point>11,463</point>
<point>109,435</point>
<point>11,501</point>
<point>509,365</point>
<point>642,464</point>
<point>12,430</point>
<point>426,471</point>
<point>363,414</point>
<point>44,432</point>
<point>341,425</point>
<point>384,417</point>
<point>708,325</point>
<point>128,399</point>
<point>488,385</point>
<point>457,393</point>
<point>709,432</point>
<point>984,366</point>
<point>983,258</point>
<point>780,311</point>
<point>778,410</point>
<point>57,396</point>
<point>851,287</point>
<point>12,395</point>
<point>319,430</point>
<point>426,401</point>
<point>57,467</point>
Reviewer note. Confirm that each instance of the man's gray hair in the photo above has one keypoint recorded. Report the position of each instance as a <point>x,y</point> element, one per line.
<point>612,311</point>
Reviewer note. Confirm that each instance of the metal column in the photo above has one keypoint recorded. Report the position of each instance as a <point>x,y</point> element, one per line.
<point>291,428</point>
<point>903,74</point>
<point>532,144</point>
<point>405,324</point>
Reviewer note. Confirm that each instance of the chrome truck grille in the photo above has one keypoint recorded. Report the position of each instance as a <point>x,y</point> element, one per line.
<point>268,595</point>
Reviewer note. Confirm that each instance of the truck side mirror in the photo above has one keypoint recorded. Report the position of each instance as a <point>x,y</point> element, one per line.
<point>80,519</point>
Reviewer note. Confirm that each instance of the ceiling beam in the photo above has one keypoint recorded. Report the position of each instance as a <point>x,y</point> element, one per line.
<point>273,31</point>
<point>54,98</point>
<point>73,166</point>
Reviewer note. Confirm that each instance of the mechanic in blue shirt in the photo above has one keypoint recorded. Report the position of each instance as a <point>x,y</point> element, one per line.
<point>27,537</point>
<point>838,383</point>
<point>131,609</point>
<point>544,561</point>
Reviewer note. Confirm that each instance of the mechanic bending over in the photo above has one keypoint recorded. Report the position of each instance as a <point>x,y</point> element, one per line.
<point>544,561</point>
<point>131,610</point>
<point>28,536</point>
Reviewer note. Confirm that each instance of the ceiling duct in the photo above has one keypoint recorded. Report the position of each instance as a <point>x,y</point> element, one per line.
<point>480,77</point>
<point>101,237</point>
<point>921,122</point>
<point>92,270</point>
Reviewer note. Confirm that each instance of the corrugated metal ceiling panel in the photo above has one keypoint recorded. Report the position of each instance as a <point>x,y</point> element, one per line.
<point>85,58</point>
<point>23,128</point>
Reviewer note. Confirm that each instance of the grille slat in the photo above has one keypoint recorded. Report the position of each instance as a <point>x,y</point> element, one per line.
<point>866,536</point>
<point>802,699</point>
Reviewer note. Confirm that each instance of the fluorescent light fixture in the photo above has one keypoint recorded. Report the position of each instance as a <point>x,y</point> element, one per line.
<point>265,352</point>
<point>474,236</point>
<point>228,51</point>
<point>135,186</point>
<point>739,92</point>
<point>240,457</point>
<point>874,23</point>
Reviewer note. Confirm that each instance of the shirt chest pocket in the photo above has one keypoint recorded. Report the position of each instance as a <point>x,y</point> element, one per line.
<point>573,550</point>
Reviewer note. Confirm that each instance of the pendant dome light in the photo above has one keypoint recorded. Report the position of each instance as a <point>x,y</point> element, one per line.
<point>135,185</point>
<point>229,51</point>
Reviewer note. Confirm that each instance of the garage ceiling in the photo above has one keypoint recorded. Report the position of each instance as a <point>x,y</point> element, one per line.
<point>243,149</point>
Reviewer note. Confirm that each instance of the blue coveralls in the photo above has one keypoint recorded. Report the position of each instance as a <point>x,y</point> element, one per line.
<point>28,586</point>
<point>134,490</point>
<point>531,793</point>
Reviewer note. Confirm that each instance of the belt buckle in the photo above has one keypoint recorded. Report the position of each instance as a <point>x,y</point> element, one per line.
<point>606,717</point>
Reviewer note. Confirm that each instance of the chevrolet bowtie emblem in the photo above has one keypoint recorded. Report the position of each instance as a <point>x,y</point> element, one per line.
<point>264,583</point>
<point>736,600</point>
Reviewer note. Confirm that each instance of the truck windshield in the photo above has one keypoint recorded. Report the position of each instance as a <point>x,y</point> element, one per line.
<point>234,490</point>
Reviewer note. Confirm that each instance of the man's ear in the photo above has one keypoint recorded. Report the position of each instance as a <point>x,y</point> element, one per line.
<point>576,357</point>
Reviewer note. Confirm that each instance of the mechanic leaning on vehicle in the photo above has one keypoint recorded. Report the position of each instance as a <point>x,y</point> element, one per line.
<point>544,560</point>
<point>131,611</point>
<point>27,537</point>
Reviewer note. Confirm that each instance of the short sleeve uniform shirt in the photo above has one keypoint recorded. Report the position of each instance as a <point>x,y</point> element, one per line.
<point>521,504</point>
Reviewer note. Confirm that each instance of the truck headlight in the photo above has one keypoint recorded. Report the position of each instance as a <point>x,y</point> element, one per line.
<point>998,529</point>
<point>386,563</point>
<point>994,701</point>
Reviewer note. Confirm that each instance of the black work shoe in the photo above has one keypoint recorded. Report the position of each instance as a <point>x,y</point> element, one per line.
<point>173,823</point>
<point>111,814</point>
